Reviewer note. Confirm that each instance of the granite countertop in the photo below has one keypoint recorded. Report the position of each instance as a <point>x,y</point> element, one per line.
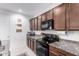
<point>67,45</point>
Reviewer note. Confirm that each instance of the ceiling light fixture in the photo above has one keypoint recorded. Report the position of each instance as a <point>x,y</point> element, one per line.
<point>20,10</point>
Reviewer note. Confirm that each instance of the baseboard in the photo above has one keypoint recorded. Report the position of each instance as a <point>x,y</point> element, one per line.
<point>18,51</point>
<point>21,50</point>
<point>29,52</point>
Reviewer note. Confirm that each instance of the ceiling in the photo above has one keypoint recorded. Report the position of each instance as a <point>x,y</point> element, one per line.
<point>30,9</point>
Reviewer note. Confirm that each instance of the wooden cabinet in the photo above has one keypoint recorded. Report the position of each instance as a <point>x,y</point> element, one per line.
<point>74,16</point>
<point>53,51</point>
<point>65,16</point>
<point>49,15</point>
<point>59,17</point>
<point>39,22</point>
<point>36,23</point>
<point>31,43</point>
<point>32,24</point>
<point>58,14</point>
<point>43,17</point>
<point>34,46</point>
<point>28,42</point>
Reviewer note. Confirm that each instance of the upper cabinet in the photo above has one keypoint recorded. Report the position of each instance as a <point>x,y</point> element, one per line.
<point>39,22</point>
<point>59,17</point>
<point>65,16</point>
<point>32,24</point>
<point>43,17</point>
<point>36,24</point>
<point>49,15</point>
<point>74,16</point>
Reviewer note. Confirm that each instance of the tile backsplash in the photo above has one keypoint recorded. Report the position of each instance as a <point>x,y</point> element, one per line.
<point>50,32</point>
<point>70,35</point>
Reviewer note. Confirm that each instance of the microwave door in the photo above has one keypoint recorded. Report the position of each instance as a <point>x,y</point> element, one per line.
<point>45,26</point>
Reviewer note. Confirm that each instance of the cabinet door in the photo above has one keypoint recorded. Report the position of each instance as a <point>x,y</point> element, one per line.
<point>27,41</point>
<point>39,22</point>
<point>33,24</point>
<point>49,15</point>
<point>59,17</point>
<point>35,46</point>
<point>36,25</point>
<point>54,51</point>
<point>32,44</point>
<point>74,16</point>
<point>43,17</point>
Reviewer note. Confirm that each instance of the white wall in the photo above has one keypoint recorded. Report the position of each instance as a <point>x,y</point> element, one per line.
<point>51,6</point>
<point>8,31</point>
<point>18,39</point>
<point>4,30</point>
<point>4,26</point>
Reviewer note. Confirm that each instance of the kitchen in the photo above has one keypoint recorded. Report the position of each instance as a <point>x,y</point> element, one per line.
<point>60,26</point>
<point>46,29</point>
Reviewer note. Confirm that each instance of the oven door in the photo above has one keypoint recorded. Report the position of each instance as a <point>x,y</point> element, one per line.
<point>41,49</point>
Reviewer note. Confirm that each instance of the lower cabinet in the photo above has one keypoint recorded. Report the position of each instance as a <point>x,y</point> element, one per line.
<point>28,42</point>
<point>53,51</point>
<point>31,43</point>
<point>35,46</point>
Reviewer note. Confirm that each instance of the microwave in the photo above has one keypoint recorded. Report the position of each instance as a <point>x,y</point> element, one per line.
<point>47,25</point>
